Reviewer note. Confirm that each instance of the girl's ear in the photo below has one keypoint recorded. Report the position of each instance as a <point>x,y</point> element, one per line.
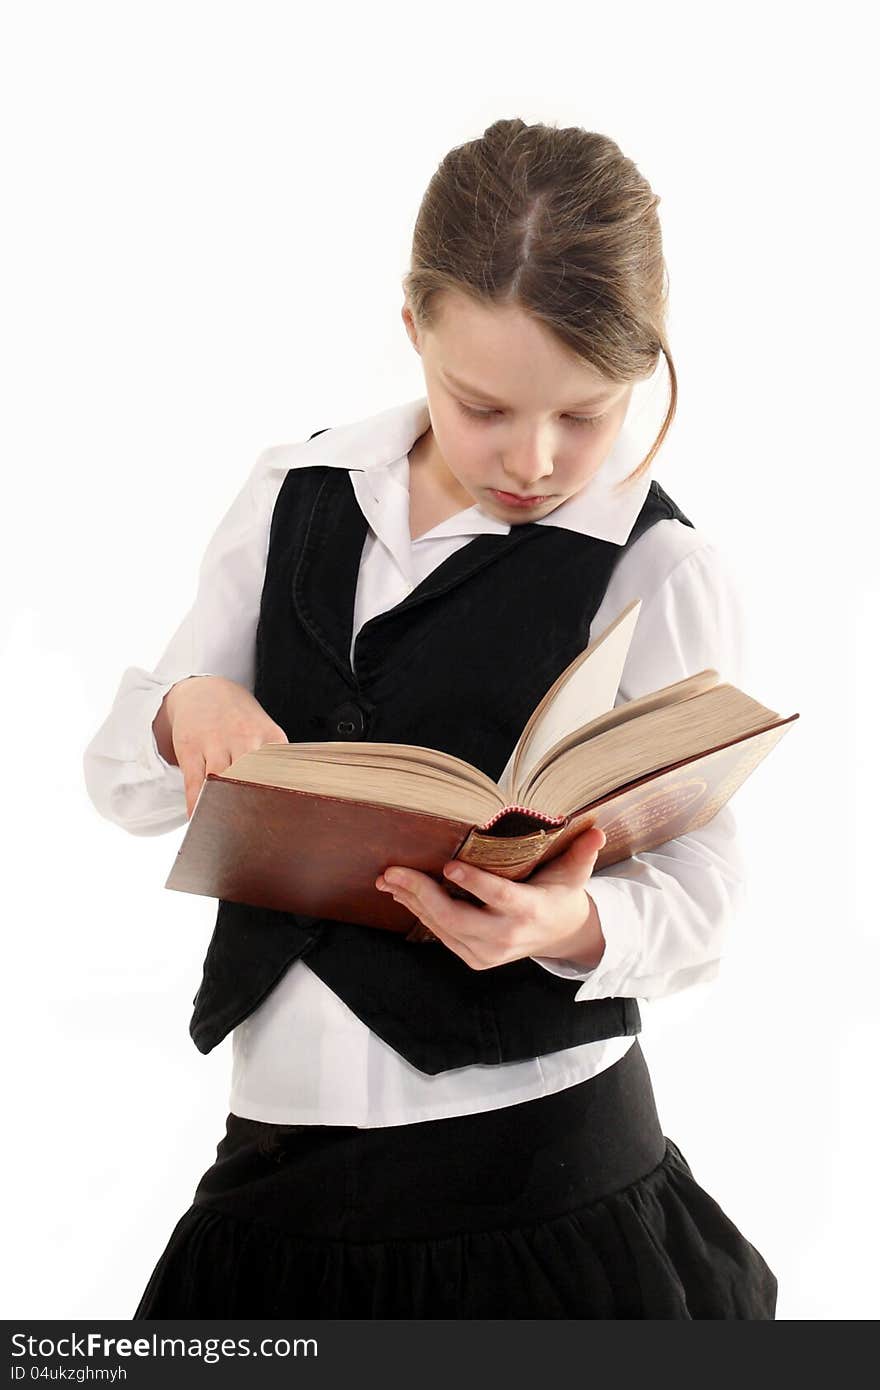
<point>409,324</point>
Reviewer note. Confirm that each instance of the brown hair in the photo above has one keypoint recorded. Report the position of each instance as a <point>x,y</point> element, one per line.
<point>562,224</point>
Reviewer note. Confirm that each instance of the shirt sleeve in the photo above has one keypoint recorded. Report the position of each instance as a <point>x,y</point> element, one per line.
<point>127,779</point>
<point>665,913</point>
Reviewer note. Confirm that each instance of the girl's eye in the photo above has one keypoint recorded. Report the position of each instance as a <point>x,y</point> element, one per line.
<point>586,419</point>
<point>488,414</point>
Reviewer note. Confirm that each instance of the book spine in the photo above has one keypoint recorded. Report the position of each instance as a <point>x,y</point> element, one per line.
<point>510,857</point>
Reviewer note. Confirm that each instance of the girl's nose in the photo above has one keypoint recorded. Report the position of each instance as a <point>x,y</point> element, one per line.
<point>529,479</point>
<point>528,487</point>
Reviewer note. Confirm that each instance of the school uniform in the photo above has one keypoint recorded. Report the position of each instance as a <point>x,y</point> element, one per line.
<point>408,1137</point>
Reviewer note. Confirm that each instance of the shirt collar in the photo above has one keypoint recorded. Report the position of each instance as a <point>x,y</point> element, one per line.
<point>378,447</point>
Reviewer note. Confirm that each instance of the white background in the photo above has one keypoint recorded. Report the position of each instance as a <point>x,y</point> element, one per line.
<point>208,213</point>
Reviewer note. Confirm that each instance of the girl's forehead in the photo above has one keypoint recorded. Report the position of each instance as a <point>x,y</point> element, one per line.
<point>491,350</point>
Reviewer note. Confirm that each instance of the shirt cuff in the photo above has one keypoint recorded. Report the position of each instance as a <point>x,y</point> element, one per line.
<point>622,929</point>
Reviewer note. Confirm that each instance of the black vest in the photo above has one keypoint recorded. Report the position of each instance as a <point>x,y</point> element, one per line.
<point>459,665</point>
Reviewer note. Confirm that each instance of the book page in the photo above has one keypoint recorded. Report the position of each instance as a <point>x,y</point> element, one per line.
<point>634,749</point>
<point>622,714</point>
<point>585,689</point>
<point>392,774</point>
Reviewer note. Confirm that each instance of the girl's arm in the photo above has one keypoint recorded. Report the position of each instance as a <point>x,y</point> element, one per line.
<point>127,778</point>
<point>665,913</point>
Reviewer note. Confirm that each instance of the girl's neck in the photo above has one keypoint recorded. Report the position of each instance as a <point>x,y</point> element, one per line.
<point>434,493</point>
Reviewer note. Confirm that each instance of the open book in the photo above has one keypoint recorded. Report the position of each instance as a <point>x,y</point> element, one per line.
<point>308,827</point>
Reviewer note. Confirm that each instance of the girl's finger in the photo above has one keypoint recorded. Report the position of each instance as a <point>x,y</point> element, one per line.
<point>193,769</point>
<point>449,918</point>
<point>575,865</point>
<point>443,933</point>
<point>496,892</point>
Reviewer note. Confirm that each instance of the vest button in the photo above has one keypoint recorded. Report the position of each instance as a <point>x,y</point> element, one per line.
<point>349,721</point>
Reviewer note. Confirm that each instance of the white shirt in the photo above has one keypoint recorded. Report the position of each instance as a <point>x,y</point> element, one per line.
<point>303,1057</point>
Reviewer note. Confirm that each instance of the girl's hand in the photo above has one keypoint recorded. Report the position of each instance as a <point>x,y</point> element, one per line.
<point>211,721</point>
<point>551,915</point>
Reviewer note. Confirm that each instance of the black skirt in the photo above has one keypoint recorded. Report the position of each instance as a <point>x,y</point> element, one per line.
<point>569,1206</point>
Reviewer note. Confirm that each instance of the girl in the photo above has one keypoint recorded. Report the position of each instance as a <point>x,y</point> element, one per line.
<point>460,1127</point>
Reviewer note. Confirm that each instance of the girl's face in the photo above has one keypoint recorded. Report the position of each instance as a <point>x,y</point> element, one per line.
<point>511,412</point>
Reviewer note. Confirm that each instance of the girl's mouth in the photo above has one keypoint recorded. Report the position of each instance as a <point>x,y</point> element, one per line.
<point>512,499</point>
